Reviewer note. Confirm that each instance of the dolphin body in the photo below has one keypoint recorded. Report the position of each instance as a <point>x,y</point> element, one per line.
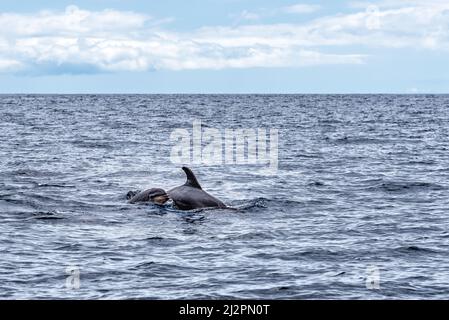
<point>191,196</point>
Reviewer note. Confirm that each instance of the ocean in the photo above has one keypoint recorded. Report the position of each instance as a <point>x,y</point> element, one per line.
<point>356,208</point>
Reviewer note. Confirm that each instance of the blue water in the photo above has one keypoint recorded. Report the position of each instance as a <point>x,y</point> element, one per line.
<point>362,184</point>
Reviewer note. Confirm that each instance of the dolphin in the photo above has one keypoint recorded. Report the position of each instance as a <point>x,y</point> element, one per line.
<point>191,196</point>
<point>155,195</point>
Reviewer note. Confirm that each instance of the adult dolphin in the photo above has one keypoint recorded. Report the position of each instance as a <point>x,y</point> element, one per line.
<point>191,196</point>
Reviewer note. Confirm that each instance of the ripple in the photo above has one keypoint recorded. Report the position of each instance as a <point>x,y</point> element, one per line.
<point>406,186</point>
<point>51,215</point>
<point>414,250</point>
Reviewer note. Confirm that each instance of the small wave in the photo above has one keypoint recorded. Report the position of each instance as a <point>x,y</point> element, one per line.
<point>92,144</point>
<point>312,254</point>
<point>414,249</point>
<point>50,215</point>
<point>54,185</point>
<point>70,247</point>
<point>6,197</point>
<point>256,235</point>
<point>155,238</point>
<point>234,206</point>
<point>193,218</point>
<point>248,204</point>
<point>143,265</point>
<point>359,140</point>
<point>318,253</point>
<point>316,184</point>
<point>418,162</point>
<point>238,205</point>
<point>408,186</point>
<point>254,205</point>
<point>161,269</point>
<point>43,198</point>
<point>29,173</point>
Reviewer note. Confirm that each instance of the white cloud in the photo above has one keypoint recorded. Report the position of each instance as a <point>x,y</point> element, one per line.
<point>72,21</point>
<point>301,8</point>
<point>388,4</point>
<point>247,15</point>
<point>111,40</point>
<point>7,65</point>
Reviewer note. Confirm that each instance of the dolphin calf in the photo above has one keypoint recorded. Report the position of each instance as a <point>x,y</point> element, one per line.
<point>155,195</point>
<point>191,196</point>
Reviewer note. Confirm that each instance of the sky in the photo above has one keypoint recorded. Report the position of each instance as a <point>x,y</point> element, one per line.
<point>224,46</point>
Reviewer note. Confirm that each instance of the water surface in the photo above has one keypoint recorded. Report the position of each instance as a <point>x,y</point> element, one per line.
<point>362,183</point>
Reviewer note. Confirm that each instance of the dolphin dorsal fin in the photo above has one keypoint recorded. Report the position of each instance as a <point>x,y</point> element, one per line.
<point>191,179</point>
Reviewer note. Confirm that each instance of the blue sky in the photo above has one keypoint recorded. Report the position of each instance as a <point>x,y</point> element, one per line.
<point>227,46</point>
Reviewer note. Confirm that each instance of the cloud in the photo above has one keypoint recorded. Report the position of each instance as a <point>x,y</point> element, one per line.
<point>76,41</point>
<point>82,41</point>
<point>301,8</point>
<point>8,65</point>
<point>73,21</point>
<point>275,12</point>
<point>247,15</point>
<point>388,4</point>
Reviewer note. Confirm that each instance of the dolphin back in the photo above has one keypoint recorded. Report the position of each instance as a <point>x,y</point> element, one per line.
<point>192,196</point>
<point>188,198</point>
